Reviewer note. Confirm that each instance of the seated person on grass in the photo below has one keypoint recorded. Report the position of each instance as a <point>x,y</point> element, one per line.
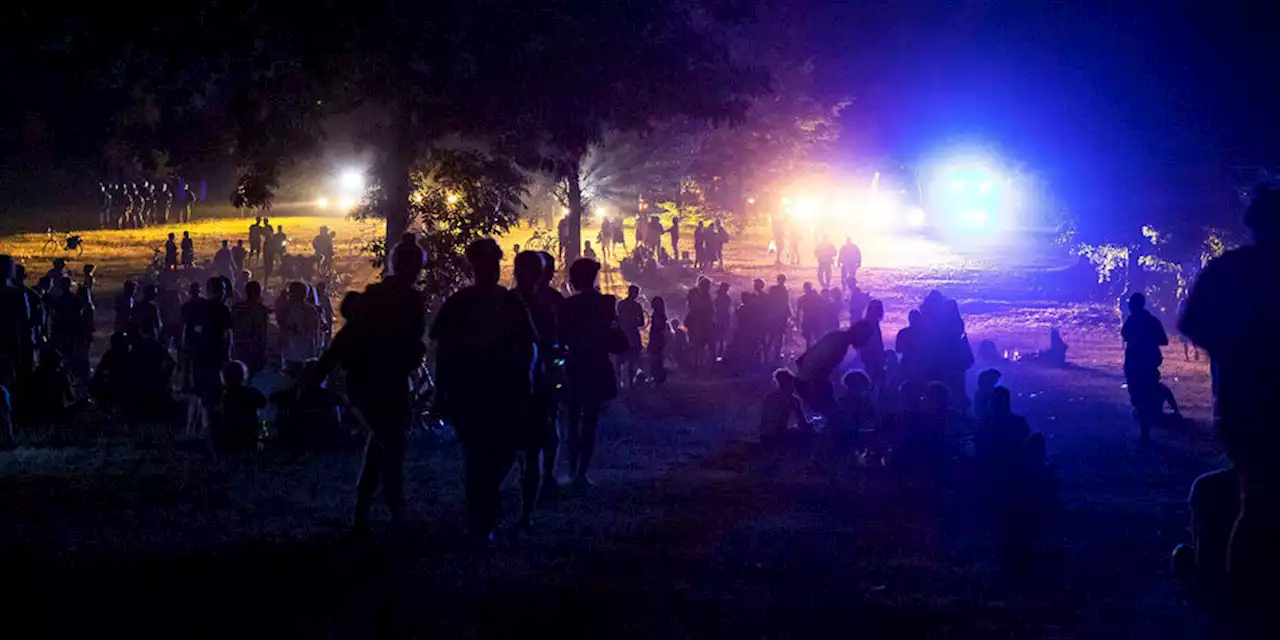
<point>781,410</point>
<point>1215,505</point>
<point>308,416</point>
<point>236,428</point>
<point>856,411</point>
<point>110,384</point>
<point>50,395</point>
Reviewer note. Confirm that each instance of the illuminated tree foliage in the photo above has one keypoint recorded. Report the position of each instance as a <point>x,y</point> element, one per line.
<point>459,195</point>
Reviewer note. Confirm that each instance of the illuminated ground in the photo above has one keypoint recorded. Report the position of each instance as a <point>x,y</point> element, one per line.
<point>688,534</point>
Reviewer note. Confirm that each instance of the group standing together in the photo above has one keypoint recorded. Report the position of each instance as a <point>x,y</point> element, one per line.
<point>134,205</point>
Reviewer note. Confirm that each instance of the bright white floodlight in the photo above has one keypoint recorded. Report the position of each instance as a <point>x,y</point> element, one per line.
<point>351,180</point>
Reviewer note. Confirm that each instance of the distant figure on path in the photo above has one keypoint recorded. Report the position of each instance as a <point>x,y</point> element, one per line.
<point>255,237</point>
<point>188,250</point>
<point>850,261</point>
<point>170,254</point>
<point>1143,336</point>
<point>223,264</point>
<point>825,253</point>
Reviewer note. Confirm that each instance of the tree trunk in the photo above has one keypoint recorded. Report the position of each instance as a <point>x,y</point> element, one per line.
<point>395,179</point>
<point>574,250</point>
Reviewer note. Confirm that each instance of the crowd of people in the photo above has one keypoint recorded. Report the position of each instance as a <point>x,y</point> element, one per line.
<point>556,360</point>
<point>134,205</point>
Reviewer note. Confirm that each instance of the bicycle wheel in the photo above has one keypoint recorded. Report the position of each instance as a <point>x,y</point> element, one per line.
<point>50,246</point>
<point>80,250</point>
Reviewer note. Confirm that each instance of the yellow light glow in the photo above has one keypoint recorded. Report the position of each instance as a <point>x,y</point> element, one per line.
<point>451,198</point>
<point>322,203</point>
<point>786,202</point>
<point>599,212</point>
<point>346,204</point>
<point>564,211</point>
<point>751,200</point>
<point>417,197</point>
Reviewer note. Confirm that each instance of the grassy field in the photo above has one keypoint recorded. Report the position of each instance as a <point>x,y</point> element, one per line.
<point>689,533</point>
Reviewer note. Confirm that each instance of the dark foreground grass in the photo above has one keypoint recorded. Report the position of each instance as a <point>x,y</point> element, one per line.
<point>690,532</point>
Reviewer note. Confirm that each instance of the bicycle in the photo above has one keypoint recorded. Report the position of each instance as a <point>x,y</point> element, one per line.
<point>544,240</point>
<point>68,243</point>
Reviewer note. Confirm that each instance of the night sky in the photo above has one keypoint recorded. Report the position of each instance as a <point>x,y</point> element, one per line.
<point>1117,103</point>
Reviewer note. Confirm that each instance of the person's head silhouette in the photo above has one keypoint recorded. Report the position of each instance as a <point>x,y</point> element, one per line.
<point>528,269</point>
<point>582,274</point>
<point>633,292</point>
<point>1137,302</point>
<point>485,257</point>
<point>407,258</point>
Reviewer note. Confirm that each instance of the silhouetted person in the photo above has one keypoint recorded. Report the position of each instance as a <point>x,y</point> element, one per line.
<point>379,347</point>
<point>810,308</point>
<point>206,341</point>
<point>110,384</point>
<point>987,381</point>
<point>857,408</point>
<point>150,373</point>
<point>722,306</point>
<point>170,253</point>
<point>675,235</point>
<point>50,393</point>
<point>815,367</point>
<point>909,345</point>
<point>300,331</point>
<point>850,261</point>
<point>631,321</point>
<point>781,416</point>
<point>250,320</point>
<point>236,428</point>
<point>825,253</point>
<point>31,323</point>
<point>255,237</point>
<point>238,256</point>
<point>554,358</point>
<point>872,353</point>
<point>188,250</point>
<point>487,351</point>
<point>700,323</point>
<point>778,303</point>
<point>272,253</point>
<point>1056,354</point>
<point>1231,314</point>
<point>588,324</point>
<point>1215,508</point>
<point>15,318</point>
<point>1143,336</point>
<point>124,306</point>
<point>146,313</point>
<point>539,432</point>
<point>658,341</point>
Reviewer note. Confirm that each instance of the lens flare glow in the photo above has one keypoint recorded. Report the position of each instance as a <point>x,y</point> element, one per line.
<point>351,180</point>
<point>322,203</point>
<point>916,218</point>
<point>347,204</point>
<point>451,198</point>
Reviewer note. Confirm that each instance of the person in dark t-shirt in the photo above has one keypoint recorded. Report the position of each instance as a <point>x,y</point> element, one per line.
<point>487,352</point>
